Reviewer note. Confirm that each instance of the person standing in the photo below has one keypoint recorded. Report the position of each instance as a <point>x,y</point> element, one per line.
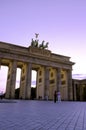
<point>55,96</point>
<point>59,96</point>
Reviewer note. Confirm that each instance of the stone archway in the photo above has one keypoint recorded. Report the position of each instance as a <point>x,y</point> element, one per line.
<point>40,59</point>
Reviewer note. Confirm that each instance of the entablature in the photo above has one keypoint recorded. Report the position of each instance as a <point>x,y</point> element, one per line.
<point>33,55</point>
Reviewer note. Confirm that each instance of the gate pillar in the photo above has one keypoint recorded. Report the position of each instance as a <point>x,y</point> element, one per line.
<point>11,80</point>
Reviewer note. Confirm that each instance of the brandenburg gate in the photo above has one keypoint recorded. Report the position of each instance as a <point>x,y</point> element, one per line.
<point>54,72</point>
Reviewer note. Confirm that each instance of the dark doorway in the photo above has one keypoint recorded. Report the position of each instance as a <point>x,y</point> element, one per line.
<point>33,93</point>
<point>17,93</point>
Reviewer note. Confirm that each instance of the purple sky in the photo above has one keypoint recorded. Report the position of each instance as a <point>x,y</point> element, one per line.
<point>60,22</point>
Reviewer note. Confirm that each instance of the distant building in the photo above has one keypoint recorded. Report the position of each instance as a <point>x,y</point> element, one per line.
<point>79,89</point>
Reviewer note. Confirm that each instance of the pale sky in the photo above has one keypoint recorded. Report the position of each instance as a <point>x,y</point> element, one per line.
<point>62,23</point>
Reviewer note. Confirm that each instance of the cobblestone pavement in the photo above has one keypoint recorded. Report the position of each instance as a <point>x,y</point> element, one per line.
<point>42,115</point>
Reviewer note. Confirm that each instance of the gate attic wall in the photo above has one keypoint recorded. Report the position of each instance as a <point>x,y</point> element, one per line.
<point>9,51</point>
<point>50,65</point>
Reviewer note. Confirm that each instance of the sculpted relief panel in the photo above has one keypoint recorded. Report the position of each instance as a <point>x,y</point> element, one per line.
<point>39,52</point>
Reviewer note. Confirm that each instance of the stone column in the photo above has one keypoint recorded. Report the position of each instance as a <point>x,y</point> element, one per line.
<point>74,91</point>
<point>46,83</point>
<point>70,89</point>
<point>58,80</point>
<point>37,94</point>
<point>25,83</point>
<point>22,79</point>
<point>28,81</point>
<point>11,81</point>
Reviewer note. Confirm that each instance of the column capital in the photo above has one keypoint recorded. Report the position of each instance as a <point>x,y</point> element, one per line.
<point>47,67</point>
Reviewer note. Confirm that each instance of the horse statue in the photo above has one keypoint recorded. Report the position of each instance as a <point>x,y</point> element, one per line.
<point>42,44</point>
<point>46,46</point>
<point>34,43</point>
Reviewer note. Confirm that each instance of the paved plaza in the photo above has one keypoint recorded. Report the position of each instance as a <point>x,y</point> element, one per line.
<point>42,115</point>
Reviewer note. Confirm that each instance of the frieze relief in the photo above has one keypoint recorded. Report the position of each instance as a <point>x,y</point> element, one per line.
<point>41,52</point>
